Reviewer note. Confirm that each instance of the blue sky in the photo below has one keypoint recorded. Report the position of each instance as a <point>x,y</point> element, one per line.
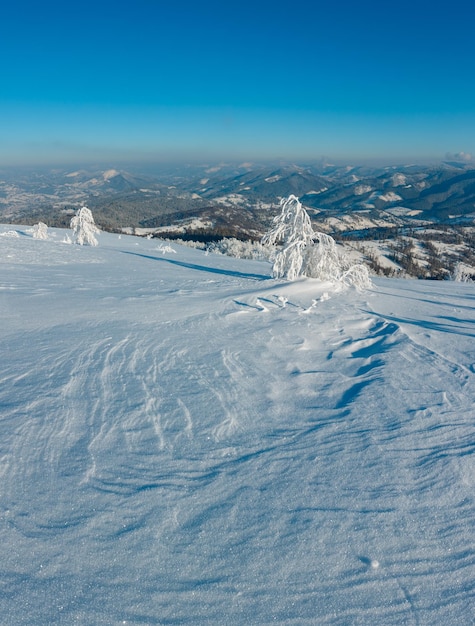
<point>111,81</point>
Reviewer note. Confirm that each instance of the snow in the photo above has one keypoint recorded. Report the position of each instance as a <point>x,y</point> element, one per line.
<point>353,221</point>
<point>108,174</point>
<point>390,197</point>
<point>403,211</point>
<point>362,189</point>
<point>399,180</point>
<point>231,199</point>
<point>316,193</point>
<point>184,440</point>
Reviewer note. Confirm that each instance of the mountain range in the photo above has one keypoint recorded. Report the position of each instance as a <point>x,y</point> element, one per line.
<point>206,202</point>
<point>443,193</point>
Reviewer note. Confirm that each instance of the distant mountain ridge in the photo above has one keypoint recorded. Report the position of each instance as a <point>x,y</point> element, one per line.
<point>407,220</point>
<point>235,193</point>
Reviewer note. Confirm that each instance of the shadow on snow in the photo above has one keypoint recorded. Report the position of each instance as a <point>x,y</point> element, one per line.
<point>201,268</point>
<point>459,327</point>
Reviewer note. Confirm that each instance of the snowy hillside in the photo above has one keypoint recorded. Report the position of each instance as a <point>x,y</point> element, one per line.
<point>185,440</point>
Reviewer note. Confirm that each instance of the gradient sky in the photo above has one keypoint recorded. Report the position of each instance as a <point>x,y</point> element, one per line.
<point>111,81</point>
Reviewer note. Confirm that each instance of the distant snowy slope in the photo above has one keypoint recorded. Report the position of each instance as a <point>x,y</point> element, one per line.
<point>184,440</point>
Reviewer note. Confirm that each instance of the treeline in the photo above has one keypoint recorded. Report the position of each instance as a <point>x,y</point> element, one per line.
<point>207,235</point>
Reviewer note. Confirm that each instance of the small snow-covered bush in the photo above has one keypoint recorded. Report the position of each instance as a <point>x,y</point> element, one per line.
<point>357,275</point>
<point>165,249</point>
<point>305,252</point>
<point>240,249</point>
<point>461,275</point>
<point>40,231</point>
<point>196,245</point>
<point>84,228</point>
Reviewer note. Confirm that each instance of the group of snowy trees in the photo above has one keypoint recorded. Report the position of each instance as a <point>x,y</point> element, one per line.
<point>82,225</point>
<point>297,250</point>
<point>302,251</point>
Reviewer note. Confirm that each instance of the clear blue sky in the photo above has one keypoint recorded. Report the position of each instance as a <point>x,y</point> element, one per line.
<point>145,79</point>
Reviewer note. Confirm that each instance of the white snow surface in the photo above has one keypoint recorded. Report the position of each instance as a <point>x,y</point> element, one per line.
<point>390,196</point>
<point>110,174</point>
<point>184,440</point>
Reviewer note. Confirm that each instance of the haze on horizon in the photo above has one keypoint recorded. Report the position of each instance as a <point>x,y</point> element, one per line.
<point>154,81</point>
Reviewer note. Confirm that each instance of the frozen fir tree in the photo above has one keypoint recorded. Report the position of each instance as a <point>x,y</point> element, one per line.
<point>40,231</point>
<point>84,228</point>
<point>293,229</point>
<point>304,252</point>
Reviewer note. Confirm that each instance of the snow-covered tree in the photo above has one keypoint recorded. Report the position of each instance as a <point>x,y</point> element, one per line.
<point>305,252</point>
<point>40,231</point>
<point>84,228</point>
<point>294,230</point>
<point>461,275</point>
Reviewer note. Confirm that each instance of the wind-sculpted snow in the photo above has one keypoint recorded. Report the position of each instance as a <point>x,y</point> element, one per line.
<point>185,441</point>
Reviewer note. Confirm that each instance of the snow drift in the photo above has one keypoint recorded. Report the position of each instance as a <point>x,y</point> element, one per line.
<point>184,440</point>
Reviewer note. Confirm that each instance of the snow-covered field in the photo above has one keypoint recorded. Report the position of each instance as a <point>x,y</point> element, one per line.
<point>184,440</point>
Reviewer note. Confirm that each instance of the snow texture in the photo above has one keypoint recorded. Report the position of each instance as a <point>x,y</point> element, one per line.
<point>184,440</point>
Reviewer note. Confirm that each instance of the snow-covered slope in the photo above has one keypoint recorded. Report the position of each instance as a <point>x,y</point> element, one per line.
<point>184,440</point>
